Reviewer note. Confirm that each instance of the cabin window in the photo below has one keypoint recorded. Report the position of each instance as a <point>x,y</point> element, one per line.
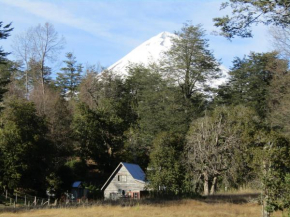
<point>135,195</point>
<point>122,178</point>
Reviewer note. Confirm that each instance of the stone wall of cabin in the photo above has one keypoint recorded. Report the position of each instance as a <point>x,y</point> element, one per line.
<point>130,184</point>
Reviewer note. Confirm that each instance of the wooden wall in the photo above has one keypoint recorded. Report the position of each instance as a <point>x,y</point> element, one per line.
<point>130,184</point>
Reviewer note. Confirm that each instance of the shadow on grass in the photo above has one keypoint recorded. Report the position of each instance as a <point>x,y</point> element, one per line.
<point>232,198</point>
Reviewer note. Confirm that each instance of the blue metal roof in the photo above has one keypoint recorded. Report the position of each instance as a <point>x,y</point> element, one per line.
<point>76,184</point>
<point>135,170</point>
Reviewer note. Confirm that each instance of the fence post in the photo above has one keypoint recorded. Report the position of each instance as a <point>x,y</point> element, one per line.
<point>41,202</point>
<point>14,204</point>
<point>16,198</point>
<point>34,201</point>
<point>25,200</point>
<point>10,201</point>
<point>6,194</point>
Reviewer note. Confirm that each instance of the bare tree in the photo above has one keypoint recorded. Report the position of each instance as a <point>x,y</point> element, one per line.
<point>213,142</point>
<point>46,46</point>
<point>205,151</point>
<point>281,40</point>
<point>22,46</point>
<point>40,44</point>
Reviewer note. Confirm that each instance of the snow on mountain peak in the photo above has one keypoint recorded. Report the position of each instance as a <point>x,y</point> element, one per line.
<point>151,51</point>
<point>146,53</point>
<point>165,35</point>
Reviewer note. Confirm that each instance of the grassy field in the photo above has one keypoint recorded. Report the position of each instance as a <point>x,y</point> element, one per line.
<point>182,208</point>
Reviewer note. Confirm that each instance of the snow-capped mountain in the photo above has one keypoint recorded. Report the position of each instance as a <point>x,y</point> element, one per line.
<point>151,51</point>
<point>147,52</point>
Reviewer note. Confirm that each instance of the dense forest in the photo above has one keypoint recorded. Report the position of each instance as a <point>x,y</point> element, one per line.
<point>189,137</point>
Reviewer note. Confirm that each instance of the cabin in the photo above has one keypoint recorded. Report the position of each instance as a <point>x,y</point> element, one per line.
<point>127,181</point>
<point>78,190</point>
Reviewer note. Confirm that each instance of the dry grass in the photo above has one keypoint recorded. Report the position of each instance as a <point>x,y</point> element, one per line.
<point>240,191</point>
<point>172,209</point>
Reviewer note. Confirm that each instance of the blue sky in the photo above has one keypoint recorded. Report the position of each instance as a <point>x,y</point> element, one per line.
<point>103,31</point>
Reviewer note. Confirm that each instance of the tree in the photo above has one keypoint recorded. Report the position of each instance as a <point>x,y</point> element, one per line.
<point>4,80</point>
<point>4,33</point>
<point>34,76</point>
<point>252,12</point>
<point>279,100</point>
<point>165,170</point>
<point>271,151</point>
<point>250,81</point>
<point>280,40</point>
<point>58,115</point>
<point>36,47</point>
<point>91,85</point>
<point>189,61</point>
<point>70,79</point>
<point>23,50</point>
<point>100,119</point>
<point>156,106</point>
<point>11,72</point>
<point>277,171</point>
<point>156,102</point>
<point>98,136</point>
<point>213,142</point>
<point>25,152</point>
<point>46,45</point>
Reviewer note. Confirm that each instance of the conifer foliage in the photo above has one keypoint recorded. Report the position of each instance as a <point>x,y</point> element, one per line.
<point>4,80</point>
<point>70,77</point>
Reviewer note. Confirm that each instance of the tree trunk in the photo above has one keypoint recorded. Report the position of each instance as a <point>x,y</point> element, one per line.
<point>265,213</point>
<point>42,78</point>
<point>26,81</point>
<point>26,78</point>
<point>205,184</point>
<point>212,189</point>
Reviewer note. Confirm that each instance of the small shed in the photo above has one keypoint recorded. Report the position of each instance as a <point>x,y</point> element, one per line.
<point>126,181</point>
<point>78,190</point>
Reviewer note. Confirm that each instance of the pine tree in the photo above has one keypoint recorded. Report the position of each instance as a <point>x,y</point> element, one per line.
<point>4,33</point>
<point>70,77</point>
